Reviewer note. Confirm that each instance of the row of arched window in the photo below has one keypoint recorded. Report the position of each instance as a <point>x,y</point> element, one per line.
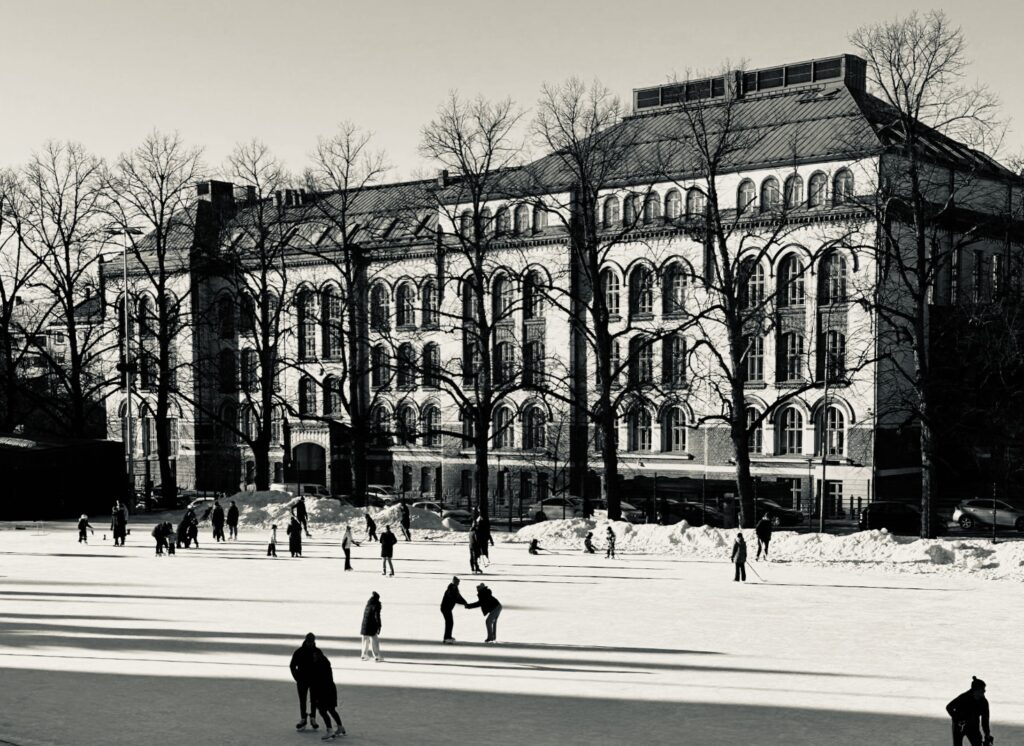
<point>650,209</point>
<point>791,195</point>
<point>833,279</point>
<point>829,431</point>
<point>423,427</point>
<point>520,220</point>
<point>675,283</point>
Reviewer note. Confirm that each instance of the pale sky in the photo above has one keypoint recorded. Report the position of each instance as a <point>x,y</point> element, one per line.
<point>106,72</point>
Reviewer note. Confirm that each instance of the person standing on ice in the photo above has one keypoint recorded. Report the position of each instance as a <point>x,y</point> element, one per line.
<point>158,536</point>
<point>325,694</point>
<point>371,627</point>
<point>346,545</point>
<point>491,608</point>
<point>303,516</point>
<point>474,549</point>
<point>966,710</point>
<point>485,539</point>
<point>371,528</point>
<point>739,558</point>
<point>233,521</point>
<point>763,531</point>
<point>588,543</point>
<point>387,550</point>
<point>295,537</point>
<point>217,519</point>
<point>272,545</point>
<point>610,551</point>
<point>119,523</point>
<point>405,520</point>
<point>448,602</point>
<point>83,526</point>
<point>303,668</point>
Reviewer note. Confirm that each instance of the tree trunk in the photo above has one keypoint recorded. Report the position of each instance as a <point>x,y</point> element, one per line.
<point>482,467</point>
<point>610,459</point>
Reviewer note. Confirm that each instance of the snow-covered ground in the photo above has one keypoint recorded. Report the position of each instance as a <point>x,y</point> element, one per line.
<point>102,645</point>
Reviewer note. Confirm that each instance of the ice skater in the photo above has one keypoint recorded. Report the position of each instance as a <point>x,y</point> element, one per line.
<point>474,550</point>
<point>325,695</point>
<point>448,603</point>
<point>192,535</point>
<point>303,668</point>
<point>119,523</point>
<point>370,629</point>
<point>610,538</point>
<point>217,519</point>
<point>346,545</point>
<point>371,528</point>
<point>485,538</point>
<point>302,515</point>
<point>295,537</point>
<point>233,521</point>
<point>387,550</point>
<point>966,710</point>
<point>588,543</point>
<point>535,547</point>
<point>763,531</point>
<point>83,526</point>
<point>405,521</point>
<point>158,536</point>
<point>739,558</point>
<point>491,608</point>
<point>272,545</point>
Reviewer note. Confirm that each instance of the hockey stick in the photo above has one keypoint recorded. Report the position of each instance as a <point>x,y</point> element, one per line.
<point>756,575</point>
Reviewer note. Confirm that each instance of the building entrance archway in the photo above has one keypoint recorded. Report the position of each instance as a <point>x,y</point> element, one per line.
<point>309,463</point>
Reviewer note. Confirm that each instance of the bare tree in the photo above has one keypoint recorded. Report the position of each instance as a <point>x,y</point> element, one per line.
<point>151,189</point>
<point>937,195</point>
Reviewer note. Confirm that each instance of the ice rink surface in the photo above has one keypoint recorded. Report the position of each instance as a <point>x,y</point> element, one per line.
<point>105,646</point>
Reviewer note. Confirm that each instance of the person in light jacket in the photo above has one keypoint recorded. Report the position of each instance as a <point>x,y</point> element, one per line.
<point>491,608</point>
<point>346,545</point>
<point>371,627</point>
<point>272,544</point>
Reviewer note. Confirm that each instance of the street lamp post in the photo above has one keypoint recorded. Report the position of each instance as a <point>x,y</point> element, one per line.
<point>126,365</point>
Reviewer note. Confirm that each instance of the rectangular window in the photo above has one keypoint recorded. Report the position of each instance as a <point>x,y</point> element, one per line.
<point>833,497</point>
<point>979,275</point>
<point>796,493</point>
<point>466,483</point>
<point>406,479</point>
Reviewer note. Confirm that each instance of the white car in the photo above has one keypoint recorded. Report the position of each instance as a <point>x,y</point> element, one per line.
<point>433,507</point>
<point>554,508</point>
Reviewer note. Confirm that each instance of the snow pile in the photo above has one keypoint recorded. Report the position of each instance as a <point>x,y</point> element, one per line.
<point>878,549</point>
<point>261,509</point>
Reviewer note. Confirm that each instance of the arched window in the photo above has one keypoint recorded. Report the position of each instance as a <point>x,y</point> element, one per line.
<point>755,357</point>
<point>791,432</point>
<point>486,222</point>
<point>771,199</point>
<point>533,295</point>
<point>406,366</point>
<point>504,428</point>
<point>330,311</point>
<point>673,430</point>
<point>540,219</point>
<point>832,427</point>
<point>610,290</point>
<point>466,224</point>
<point>639,424</point>
<point>755,431</point>
<point>630,210</point>
<point>522,219</point>
<point>835,356</point>
<point>816,189</point>
<point>147,318</point>
<point>793,365</point>
<point>503,364</point>
<point>533,363</point>
<point>791,282</point>
<point>405,305</point>
<point>502,297</point>
<point>307,324</point>
<point>429,303</point>
<point>431,425</point>
<point>226,317</point>
<point>431,365</point>
<point>641,292</point>
<point>753,283</point>
<point>332,396</point>
<point>673,204</point>
<point>380,426</point>
<point>380,367</point>
<point>277,425</point>
<point>842,187</point>
<point>794,192</point>
<point>148,369</point>
<point>696,203</point>
<point>745,196</point>
<point>502,222</point>
<point>380,311</point>
<point>641,360</point>
<point>250,371</point>
<point>611,215</point>
<point>832,279</point>
<point>652,208</point>
<point>673,289</point>
<point>226,375</point>
<point>307,396</point>
<point>673,360</point>
<point>406,425</point>
<point>534,428</point>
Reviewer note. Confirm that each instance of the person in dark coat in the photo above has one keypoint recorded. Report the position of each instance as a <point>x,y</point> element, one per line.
<point>966,710</point>
<point>474,550</point>
<point>169,537</point>
<point>486,540</point>
<point>535,547</point>
<point>83,526</point>
<point>491,608</point>
<point>325,694</point>
<point>739,558</point>
<point>763,531</point>
<point>303,668</point>
<point>119,523</point>
<point>371,627</point>
<point>448,602</point>
<point>405,520</point>
<point>303,516</point>
<point>387,550</point>
<point>371,528</point>
<point>217,519</point>
<point>192,537</point>
<point>295,537</point>
<point>182,537</point>
<point>610,537</point>
<point>158,536</point>
<point>588,544</point>
<point>233,521</point>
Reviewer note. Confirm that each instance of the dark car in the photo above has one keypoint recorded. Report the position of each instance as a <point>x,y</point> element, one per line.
<point>896,518</point>
<point>779,515</point>
<point>692,512</point>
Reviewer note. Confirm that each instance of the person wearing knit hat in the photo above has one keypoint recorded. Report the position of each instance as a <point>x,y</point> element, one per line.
<point>966,710</point>
<point>491,608</point>
<point>448,602</point>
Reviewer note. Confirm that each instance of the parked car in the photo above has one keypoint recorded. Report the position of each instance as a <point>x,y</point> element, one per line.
<point>693,513</point>
<point>599,510</point>
<point>433,507</point>
<point>897,518</point>
<point>971,513</point>
<point>779,515</point>
<point>457,520</point>
<point>302,488</point>
<point>554,508</point>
